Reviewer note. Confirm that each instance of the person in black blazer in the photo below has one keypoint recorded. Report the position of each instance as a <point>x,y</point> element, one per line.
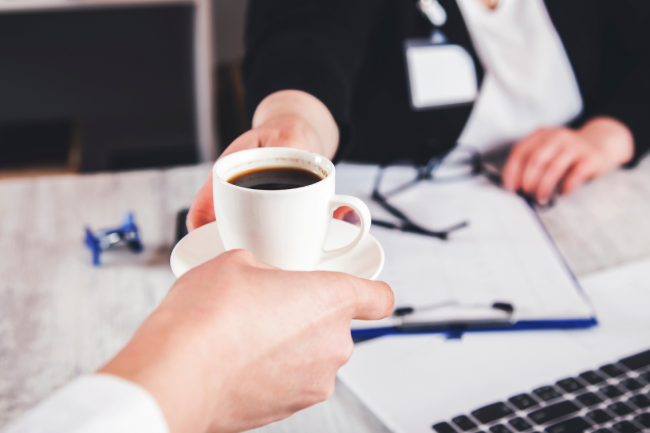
<point>329,76</point>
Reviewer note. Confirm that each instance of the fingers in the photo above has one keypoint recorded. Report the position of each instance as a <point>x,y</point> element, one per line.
<point>537,164</point>
<point>341,212</point>
<point>202,209</point>
<point>375,299</point>
<point>347,214</point>
<point>554,174</point>
<point>578,175</point>
<point>515,165</point>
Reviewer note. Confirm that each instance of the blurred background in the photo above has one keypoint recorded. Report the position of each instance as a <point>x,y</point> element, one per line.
<point>109,85</point>
<point>228,20</point>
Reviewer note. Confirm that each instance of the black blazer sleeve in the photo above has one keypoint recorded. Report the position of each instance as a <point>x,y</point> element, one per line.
<point>316,46</point>
<point>612,64</point>
<point>629,100</point>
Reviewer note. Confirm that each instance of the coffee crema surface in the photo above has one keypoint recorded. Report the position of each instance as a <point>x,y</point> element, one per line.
<point>275,178</point>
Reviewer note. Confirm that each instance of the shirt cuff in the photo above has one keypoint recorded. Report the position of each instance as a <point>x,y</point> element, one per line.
<point>97,403</point>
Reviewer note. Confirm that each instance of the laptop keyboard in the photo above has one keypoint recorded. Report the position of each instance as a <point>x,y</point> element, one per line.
<point>613,399</point>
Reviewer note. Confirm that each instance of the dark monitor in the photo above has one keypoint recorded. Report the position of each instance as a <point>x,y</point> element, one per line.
<point>117,82</point>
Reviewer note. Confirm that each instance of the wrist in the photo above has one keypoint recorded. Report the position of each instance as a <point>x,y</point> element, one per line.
<point>612,137</point>
<point>162,358</point>
<point>305,110</point>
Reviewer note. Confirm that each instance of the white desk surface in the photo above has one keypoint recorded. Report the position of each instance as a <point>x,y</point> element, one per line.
<point>61,317</point>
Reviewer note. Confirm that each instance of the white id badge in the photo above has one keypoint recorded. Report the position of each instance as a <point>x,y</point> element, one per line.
<point>439,74</point>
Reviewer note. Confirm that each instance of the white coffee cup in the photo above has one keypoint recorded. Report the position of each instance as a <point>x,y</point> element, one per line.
<point>284,228</point>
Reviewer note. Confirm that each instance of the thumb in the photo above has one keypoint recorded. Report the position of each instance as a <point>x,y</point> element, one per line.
<point>375,299</point>
<point>202,211</point>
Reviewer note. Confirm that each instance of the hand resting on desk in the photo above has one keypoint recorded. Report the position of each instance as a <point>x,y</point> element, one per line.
<point>237,344</point>
<point>564,159</point>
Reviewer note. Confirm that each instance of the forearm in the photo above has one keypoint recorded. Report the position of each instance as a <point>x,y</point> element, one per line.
<point>298,104</point>
<point>165,358</point>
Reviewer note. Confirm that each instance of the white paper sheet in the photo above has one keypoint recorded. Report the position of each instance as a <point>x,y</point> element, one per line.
<point>412,382</point>
<point>503,255</point>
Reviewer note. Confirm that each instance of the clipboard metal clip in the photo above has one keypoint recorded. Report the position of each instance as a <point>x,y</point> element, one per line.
<point>453,327</point>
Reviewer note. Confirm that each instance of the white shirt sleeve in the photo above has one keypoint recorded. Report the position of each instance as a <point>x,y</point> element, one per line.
<point>97,403</point>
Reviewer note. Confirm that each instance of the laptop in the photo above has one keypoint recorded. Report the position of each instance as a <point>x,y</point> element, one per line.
<point>560,381</point>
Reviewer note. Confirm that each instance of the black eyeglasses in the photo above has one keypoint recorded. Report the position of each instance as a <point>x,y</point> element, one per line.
<point>464,164</point>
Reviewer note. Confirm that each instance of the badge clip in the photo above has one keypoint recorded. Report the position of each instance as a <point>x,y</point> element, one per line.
<point>433,11</point>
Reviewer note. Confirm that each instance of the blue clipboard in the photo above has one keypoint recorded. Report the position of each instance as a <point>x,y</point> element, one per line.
<point>457,329</point>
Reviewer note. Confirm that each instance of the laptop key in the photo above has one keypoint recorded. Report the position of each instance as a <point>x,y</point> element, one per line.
<point>523,401</point>
<point>641,401</point>
<point>646,376</point>
<point>620,408</point>
<point>611,370</point>
<point>500,428</point>
<point>520,424</point>
<point>546,393</point>
<point>643,419</point>
<point>573,425</point>
<point>611,391</point>
<point>626,427</point>
<point>570,385</point>
<point>631,384</point>
<point>443,427</point>
<point>464,423</point>
<point>592,377</point>
<point>589,399</point>
<point>554,411</point>
<point>637,361</point>
<point>492,412</point>
<point>599,416</point>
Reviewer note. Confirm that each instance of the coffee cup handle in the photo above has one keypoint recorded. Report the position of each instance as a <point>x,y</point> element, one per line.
<point>364,215</point>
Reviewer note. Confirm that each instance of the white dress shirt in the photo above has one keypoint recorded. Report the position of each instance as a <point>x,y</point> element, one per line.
<point>529,82</point>
<point>96,403</point>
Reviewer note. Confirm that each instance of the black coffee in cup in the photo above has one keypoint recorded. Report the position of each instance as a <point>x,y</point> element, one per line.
<point>275,178</point>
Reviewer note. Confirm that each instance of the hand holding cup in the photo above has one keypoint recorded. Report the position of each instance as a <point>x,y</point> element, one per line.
<point>288,119</point>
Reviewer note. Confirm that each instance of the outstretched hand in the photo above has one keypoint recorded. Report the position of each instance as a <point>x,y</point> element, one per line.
<point>237,344</point>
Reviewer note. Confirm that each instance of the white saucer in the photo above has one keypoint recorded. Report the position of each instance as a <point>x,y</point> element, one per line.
<point>365,261</point>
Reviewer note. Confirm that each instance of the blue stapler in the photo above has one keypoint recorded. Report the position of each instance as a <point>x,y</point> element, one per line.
<point>127,235</point>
